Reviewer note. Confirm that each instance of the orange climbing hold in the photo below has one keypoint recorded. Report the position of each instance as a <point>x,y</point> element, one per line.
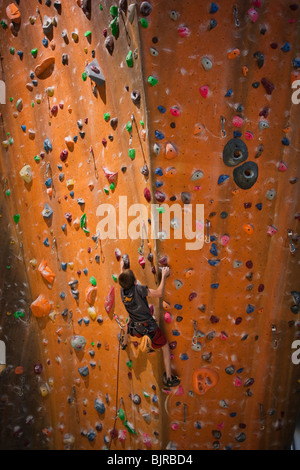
<point>171,151</point>
<point>198,129</point>
<point>46,272</point>
<point>248,228</point>
<point>170,172</point>
<point>45,68</point>
<point>13,13</point>
<point>233,54</point>
<point>90,294</point>
<point>204,379</point>
<point>41,306</point>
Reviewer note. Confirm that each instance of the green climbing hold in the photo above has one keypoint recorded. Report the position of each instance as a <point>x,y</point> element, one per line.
<point>115,278</point>
<point>129,364</point>
<point>34,52</point>
<point>114,27</point>
<point>112,186</point>
<point>129,126</point>
<point>152,80</point>
<point>106,190</point>
<point>129,427</point>
<point>12,50</point>
<point>4,24</point>
<point>88,33</point>
<point>8,192</point>
<point>93,281</point>
<point>121,414</point>
<point>37,158</point>
<point>19,314</point>
<point>131,153</point>
<point>144,23</point>
<point>129,59</point>
<point>113,11</point>
<point>106,117</point>
<point>16,218</point>
<point>84,76</point>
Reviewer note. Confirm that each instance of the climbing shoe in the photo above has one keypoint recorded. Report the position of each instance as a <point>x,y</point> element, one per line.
<point>171,382</point>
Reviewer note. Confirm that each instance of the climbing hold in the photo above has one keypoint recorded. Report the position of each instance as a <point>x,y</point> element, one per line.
<point>222,178</point>
<point>245,176</point>
<point>260,59</point>
<point>93,71</point>
<point>248,228</point>
<point>204,379</point>
<point>235,152</point>
<point>47,211</point>
<point>13,13</point>
<point>40,307</point>
<point>183,31</point>
<point>207,63</point>
<point>110,299</point>
<point>233,54</point>
<point>46,272</point>
<point>204,91</point>
<point>152,80</point>
<point>109,44</point>
<point>253,14</point>
<point>269,86</point>
<point>237,121</point>
<point>25,173</point>
<point>171,151</point>
<point>145,8</point>
<point>129,59</point>
<point>78,342</point>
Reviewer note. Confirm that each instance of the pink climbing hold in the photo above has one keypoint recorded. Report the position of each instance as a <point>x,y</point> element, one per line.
<point>248,135</point>
<point>237,382</point>
<point>271,230</point>
<point>175,111</point>
<point>168,317</point>
<point>110,175</point>
<point>110,299</point>
<point>204,91</point>
<point>183,31</point>
<point>174,426</point>
<point>147,440</point>
<point>224,240</point>
<point>179,391</point>
<point>282,166</point>
<point>253,14</point>
<point>237,121</point>
<point>142,261</point>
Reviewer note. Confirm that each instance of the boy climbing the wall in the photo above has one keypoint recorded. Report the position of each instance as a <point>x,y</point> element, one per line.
<point>141,323</point>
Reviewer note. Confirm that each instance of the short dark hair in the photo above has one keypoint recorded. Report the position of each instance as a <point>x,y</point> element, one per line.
<point>126,279</point>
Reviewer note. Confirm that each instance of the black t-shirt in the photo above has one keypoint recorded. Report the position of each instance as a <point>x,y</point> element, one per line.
<point>135,302</point>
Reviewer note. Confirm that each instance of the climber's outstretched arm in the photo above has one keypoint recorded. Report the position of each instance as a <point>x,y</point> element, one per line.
<point>159,292</point>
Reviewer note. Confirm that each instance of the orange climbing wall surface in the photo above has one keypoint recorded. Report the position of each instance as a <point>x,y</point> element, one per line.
<point>233,301</point>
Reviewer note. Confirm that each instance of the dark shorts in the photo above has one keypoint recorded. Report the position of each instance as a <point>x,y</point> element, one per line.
<point>158,339</point>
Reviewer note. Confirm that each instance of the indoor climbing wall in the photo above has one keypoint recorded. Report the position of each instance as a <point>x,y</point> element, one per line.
<point>168,104</point>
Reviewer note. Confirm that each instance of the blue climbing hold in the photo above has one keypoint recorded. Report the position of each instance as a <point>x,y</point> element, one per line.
<point>46,242</point>
<point>286,47</point>
<point>20,54</point>
<point>184,357</point>
<point>85,270</point>
<point>296,63</point>
<point>259,206</point>
<point>237,134</point>
<point>229,93</point>
<point>47,145</point>
<point>213,8</point>
<point>48,182</point>
<point>64,266</point>
<point>23,128</point>
<point>214,286</point>
<point>159,171</point>
<point>159,184</point>
<point>285,141</point>
<point>178,306</point>
<point>250,309</point>
<point>99,406</point>
<point>222,178</point>
<point>213,262</point>
<point>213,249</point>
<point>159,135</point>
<point>62,295</point>
<point>45,42</point>
<point>84,371</point>
<point>161,109</point>
<point>91,435</point>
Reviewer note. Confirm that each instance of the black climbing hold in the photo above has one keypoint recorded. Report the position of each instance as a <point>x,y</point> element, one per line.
<point>245,176</point>
<point>235,152</point>
<point>296,296</point>
<point>260,58</point>
<point>136,97</point>
<point>185,197</point>
<point>145,8</point>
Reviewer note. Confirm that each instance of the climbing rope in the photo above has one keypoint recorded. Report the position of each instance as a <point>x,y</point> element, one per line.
<point>117,396</point>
